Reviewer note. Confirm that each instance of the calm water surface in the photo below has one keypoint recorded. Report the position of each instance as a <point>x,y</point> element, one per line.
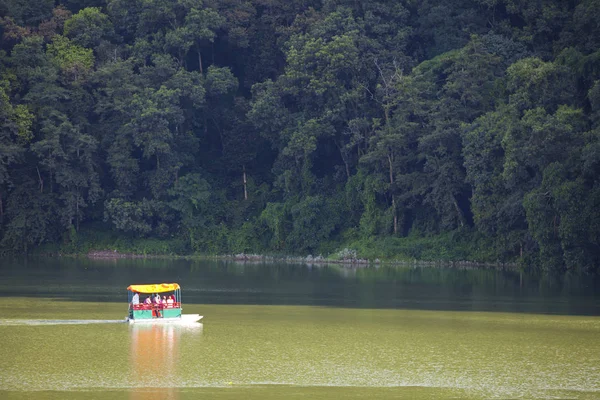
<point>283,331</point>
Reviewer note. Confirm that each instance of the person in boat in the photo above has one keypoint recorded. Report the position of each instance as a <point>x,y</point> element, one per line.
<point>148,301</point>
<point>170,302</point>
<point>157,306</point>
<point>135,301</point>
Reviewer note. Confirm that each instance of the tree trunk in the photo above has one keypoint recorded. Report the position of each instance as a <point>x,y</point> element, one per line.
<point>521,249</point>
<point>395,215</point>
<point>77,211</point>
<point>391,170</point>
<point>386,113</point>
<point>344,159</point>
<point>41,180</point>
<point>459,212</point>
<point>391,192</point>
<point>245,184</point>
<point>200,59</point>
<point>347,169</point>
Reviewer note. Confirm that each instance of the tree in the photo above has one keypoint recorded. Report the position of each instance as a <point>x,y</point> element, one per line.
<point>445,26</point>
<point>88,27</point>
<point>73,60</point>
<point>191,196</point>
<point>497,205</point>
<point>29,12</point>
<point>464,81</point>
<point>154,116</point>
<point>15,131</point>
<point>319,95</point>
<point>201,25</point>
<point>520,154</point>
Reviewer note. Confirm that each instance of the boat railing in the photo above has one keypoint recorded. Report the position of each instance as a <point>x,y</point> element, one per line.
<point>155,306</point>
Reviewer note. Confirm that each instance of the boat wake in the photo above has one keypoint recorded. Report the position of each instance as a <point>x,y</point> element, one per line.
<point>23,322</point>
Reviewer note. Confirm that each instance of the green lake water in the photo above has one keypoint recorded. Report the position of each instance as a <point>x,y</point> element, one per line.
<point>275,331</point>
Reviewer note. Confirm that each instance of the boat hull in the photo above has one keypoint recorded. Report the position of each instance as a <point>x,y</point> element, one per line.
<point>183,319</point>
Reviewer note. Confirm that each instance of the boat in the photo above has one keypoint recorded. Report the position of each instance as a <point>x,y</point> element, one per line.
<point>149,310</point>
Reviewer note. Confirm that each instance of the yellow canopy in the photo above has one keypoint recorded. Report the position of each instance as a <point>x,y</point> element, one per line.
<point>154,288</point>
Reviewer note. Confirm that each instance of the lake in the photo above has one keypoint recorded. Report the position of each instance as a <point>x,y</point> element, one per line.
<point>273,331</point>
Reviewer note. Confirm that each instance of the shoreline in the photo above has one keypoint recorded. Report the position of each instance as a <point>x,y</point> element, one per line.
<point>319,260</point>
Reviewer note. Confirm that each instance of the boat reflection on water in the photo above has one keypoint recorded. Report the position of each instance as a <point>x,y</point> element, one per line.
<point>154,356</point>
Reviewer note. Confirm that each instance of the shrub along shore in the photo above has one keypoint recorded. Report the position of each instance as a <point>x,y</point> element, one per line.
<point>444,251</point>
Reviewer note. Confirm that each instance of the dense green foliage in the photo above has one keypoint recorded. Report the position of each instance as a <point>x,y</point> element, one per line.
<point>305,127</point>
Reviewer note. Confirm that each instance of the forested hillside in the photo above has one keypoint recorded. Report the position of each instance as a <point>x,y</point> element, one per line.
<point>305,127</point>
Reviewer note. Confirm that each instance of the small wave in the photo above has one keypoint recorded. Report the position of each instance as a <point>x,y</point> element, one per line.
<point>22,322</point>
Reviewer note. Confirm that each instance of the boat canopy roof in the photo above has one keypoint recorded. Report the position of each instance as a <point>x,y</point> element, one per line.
<point>154,288</point>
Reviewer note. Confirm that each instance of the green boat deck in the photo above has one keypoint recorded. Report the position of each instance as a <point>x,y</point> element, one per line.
<point>149,314</point>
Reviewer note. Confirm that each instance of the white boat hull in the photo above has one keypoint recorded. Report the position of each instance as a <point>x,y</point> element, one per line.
<point>184,319</point>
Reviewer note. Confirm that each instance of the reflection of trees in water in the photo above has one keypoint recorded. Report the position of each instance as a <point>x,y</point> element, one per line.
<point>154,354</point>
<point>386,286</point>
<point>382,286</point>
